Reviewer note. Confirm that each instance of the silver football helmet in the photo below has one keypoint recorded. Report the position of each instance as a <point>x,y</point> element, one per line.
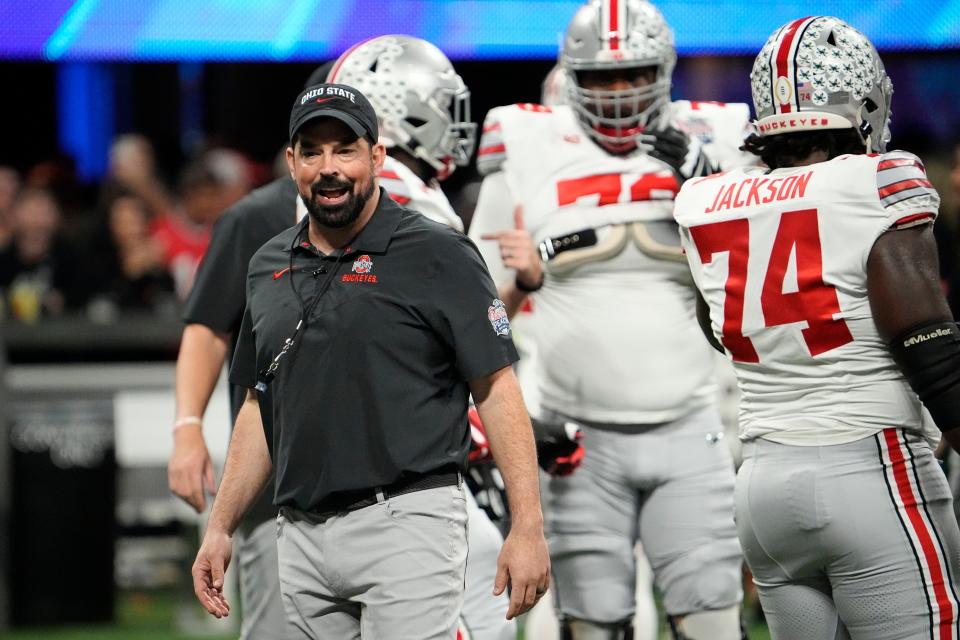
<point>820,73</point>
<point>422,104</point>
<point>618,34</point>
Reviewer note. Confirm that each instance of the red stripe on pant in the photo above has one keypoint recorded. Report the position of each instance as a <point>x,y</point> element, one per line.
<point>898,464</point>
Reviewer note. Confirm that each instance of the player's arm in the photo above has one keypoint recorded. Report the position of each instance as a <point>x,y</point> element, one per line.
<point>201,357</point>
<point>912,315</point>
<point>246,473</point>
<point>703,319</point>
<point>505,244</point>
<point>497,226</point>
<point>215,306</point>
<point>524,560</point>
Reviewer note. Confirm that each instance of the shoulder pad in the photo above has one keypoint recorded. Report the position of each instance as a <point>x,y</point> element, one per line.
<point>493,149</point>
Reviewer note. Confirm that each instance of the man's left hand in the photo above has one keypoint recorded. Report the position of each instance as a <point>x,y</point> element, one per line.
<point>524,565</point>
<point>682,152</point>
<point>518,251</point>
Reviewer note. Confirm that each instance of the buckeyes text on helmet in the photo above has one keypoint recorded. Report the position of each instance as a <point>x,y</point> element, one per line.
<point>820,73</point>
<point>423,104</point>
<point>616,36</point>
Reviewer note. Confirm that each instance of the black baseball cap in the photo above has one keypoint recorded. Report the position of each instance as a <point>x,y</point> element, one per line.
<point>335,101</point>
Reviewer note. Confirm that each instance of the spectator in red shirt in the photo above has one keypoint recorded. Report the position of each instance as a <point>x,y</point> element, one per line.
<point>183,232</point>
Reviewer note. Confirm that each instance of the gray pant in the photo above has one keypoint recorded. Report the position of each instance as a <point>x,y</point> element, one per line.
<point>263,615</point>
<point>484,615</point>
<point>850,541</point>
<point>671,487</point>
<point>391,570</point>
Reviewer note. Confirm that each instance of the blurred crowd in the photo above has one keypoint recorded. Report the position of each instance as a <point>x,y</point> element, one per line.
<point>133,242</point>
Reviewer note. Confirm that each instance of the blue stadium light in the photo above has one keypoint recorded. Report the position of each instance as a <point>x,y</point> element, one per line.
<point>307,30</point>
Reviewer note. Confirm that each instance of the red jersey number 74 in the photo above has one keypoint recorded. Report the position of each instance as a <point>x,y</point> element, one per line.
<point>814,301</point>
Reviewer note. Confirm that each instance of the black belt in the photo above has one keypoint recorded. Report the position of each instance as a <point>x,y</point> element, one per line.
<point>344,501</point>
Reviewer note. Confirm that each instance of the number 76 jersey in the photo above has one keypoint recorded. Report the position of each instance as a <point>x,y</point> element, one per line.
<point>781,259</point>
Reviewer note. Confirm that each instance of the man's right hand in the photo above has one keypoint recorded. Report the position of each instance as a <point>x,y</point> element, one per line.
<point>208,570</point>
<point>190,472</point>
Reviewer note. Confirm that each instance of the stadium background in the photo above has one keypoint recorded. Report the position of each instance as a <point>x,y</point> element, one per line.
<point>91,543</point>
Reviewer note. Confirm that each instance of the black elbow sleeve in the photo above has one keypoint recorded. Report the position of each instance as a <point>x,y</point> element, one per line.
<point>930,359</point>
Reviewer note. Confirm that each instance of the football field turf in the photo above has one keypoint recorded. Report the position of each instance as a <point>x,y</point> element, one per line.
<point>151,615</point>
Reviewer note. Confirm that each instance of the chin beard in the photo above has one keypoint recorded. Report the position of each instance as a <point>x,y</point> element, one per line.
<point>340,216</point>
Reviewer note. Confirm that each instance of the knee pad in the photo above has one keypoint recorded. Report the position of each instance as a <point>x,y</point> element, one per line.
<point>573,629</point>
<point>722,624</point>
<point>709,579</point>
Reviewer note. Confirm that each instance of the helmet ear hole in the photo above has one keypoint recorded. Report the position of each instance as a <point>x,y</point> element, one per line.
<point>870,105</point>
<point>416,123</point>
<point>373,66</point>
<point>831,40</point>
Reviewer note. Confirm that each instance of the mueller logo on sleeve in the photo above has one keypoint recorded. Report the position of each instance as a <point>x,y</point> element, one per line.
<point>362,267</point>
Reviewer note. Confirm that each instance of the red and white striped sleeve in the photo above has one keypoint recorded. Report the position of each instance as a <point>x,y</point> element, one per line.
<point>492,151</point>
<point>904,191</point>
<point>395,187</point>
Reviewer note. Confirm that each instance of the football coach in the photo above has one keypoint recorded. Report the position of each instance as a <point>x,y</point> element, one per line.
<point>371,326</point>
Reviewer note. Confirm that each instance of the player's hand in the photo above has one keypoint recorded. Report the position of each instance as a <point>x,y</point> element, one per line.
<point>524,564</point>
<point>518,251</point>
<point>559,448</point>
<point>952,438</point>
<point>208,569</point>
<point>683,153</point>
<point>190,471</point>
<point>479,445</point>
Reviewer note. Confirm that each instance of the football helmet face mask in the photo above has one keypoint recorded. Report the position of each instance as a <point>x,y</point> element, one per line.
<point>820,73</point>
<point>422,103</point>
<point>618,36</point>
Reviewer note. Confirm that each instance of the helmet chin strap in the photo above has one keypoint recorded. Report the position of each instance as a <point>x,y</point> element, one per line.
<point>866,134</point>
<point>417,151</point>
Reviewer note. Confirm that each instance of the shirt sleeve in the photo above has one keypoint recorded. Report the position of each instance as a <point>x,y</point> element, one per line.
<point>243,369</point>
<point>905,193</point>
<point>492,151</point>
<point>467,312</point>
<point>218,296</point>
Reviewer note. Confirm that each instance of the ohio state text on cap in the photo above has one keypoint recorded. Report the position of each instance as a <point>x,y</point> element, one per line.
<point>335,101</point>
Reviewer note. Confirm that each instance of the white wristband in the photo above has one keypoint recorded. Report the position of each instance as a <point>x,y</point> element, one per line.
<point>187,420</point>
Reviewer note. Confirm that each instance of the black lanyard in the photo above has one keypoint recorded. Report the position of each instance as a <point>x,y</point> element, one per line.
<point>268,373</point>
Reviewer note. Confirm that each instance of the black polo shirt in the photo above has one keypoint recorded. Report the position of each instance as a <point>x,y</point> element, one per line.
<point>375,384</point>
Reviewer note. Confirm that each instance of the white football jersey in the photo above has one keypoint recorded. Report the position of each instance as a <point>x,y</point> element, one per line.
<point>780,258</point>
<point>617,338</point>
<point>404,186</point>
